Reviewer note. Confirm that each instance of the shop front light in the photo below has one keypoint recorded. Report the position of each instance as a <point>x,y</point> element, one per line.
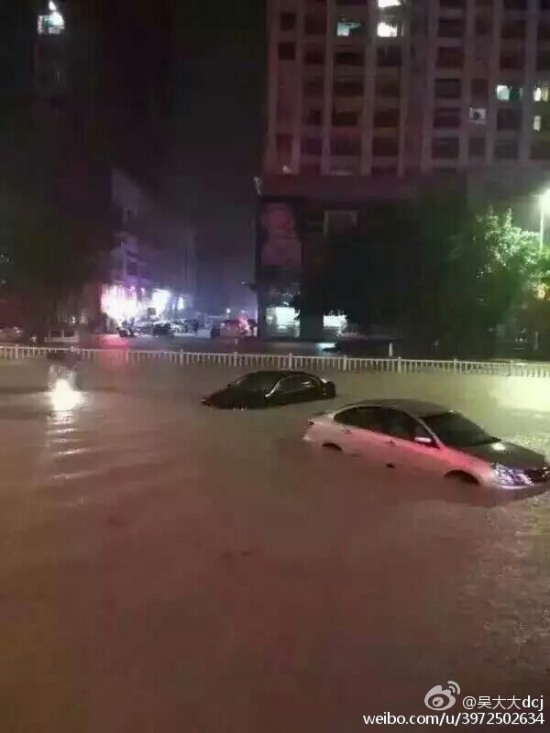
<point>160,300</point>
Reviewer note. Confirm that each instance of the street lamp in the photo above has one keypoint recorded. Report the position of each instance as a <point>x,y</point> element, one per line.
<point>544,205</point>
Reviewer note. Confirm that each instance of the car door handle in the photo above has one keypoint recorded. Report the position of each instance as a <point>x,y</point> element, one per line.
<point>390,442</point>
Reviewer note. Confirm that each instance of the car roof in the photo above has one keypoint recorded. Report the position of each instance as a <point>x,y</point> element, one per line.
<point>416,408</point>
<point>280,373</point>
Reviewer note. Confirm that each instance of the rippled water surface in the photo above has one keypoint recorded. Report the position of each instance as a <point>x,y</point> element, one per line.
<point>165,567</point>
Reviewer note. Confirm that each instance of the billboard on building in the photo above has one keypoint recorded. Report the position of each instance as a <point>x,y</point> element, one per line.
<point>280,241</point>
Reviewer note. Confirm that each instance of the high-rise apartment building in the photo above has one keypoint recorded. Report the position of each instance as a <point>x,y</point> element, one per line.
<point>406,87</point>
<point>372,99</point>
<point>50,57</point>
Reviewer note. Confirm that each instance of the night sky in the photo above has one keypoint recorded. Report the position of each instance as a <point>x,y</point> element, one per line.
<point>192,78</point>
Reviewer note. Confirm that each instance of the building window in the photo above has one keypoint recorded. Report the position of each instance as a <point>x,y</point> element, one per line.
<point>542,93</point>
<point>448,88</point>
<point>483,26</point>
<point>508,119</point>
<point>314,25</point>
<point>387,88</point>
<point>313,117</point>
<point>512,60</point>
<point>345,119</point>
<point>345,147</point>
<point>287,51</point>
<point>506,149</point>
<point>515,4</point>
<point>513,29</point>
<point>543,61</point>
<point>449,57</point>
<point>388,56</point>
<point>312,146</point>
<point>451,28</point>
<point>476,147</point>
<point>388,29</point>
<point>480,87</point>
<point>541,123</point>
<point>544,29</point>
<point>349,58</point>
<point>452,4</point>
<point>386,118</point>
<point>503,93</point>
<point>314,87</point>
<point>478,115</point>
<point>507,93</point>
<point>385,147</point>
<point>346,28</point>
<point>540,150</point>
<point>288,21</point>
<point>314,56</point>
<point>449,118</point>
<point>52,23</point>
<point>348,87</point>
<point>445,147</point>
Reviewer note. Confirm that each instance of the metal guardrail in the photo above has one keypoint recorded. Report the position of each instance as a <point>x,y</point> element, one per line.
<point>395,365</point>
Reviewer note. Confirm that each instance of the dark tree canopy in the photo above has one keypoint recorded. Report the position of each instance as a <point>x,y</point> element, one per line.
<point>430,269</point>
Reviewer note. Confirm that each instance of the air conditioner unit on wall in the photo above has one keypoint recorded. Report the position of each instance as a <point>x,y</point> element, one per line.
<point>478,115</point>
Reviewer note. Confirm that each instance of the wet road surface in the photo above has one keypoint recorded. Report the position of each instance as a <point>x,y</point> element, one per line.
<point>166,567</point>
<point>204,344</point>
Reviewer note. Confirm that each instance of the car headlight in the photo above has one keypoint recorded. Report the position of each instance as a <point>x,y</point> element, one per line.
<point>508,476</point>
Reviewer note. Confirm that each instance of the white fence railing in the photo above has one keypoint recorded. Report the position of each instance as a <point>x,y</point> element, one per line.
<point>290,361</point>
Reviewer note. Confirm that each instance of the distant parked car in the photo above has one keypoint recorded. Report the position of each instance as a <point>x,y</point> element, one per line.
<point>271,389</point>
<point>162,329</point>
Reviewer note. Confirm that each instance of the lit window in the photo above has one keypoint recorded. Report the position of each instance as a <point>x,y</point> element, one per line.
<point>542,93</point>
<point>478,115</point>
<point>387,30</point>
<point>53,23</point>
<point>389,3</point>
<point>537,123</point>
<point>346,28</point>
<point>503,93</point>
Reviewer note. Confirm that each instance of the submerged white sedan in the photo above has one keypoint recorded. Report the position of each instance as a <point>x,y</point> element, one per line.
<point>422,437</point>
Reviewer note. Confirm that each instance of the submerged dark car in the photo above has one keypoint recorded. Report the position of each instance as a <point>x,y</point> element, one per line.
<point>271,389</point>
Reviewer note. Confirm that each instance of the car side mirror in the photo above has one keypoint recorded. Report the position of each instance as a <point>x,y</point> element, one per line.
<point>425,440</point>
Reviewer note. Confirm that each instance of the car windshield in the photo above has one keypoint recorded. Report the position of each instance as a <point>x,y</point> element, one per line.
<point>456,431</point>
<point>259,382</point>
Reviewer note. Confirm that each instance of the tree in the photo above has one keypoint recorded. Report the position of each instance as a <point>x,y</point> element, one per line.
<point>430,269</point>
<point>499,264</point>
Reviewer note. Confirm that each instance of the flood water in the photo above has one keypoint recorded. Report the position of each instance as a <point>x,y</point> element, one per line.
<point>167,567</point>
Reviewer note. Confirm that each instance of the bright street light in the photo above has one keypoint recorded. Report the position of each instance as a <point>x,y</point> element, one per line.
<point>544,205</point>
